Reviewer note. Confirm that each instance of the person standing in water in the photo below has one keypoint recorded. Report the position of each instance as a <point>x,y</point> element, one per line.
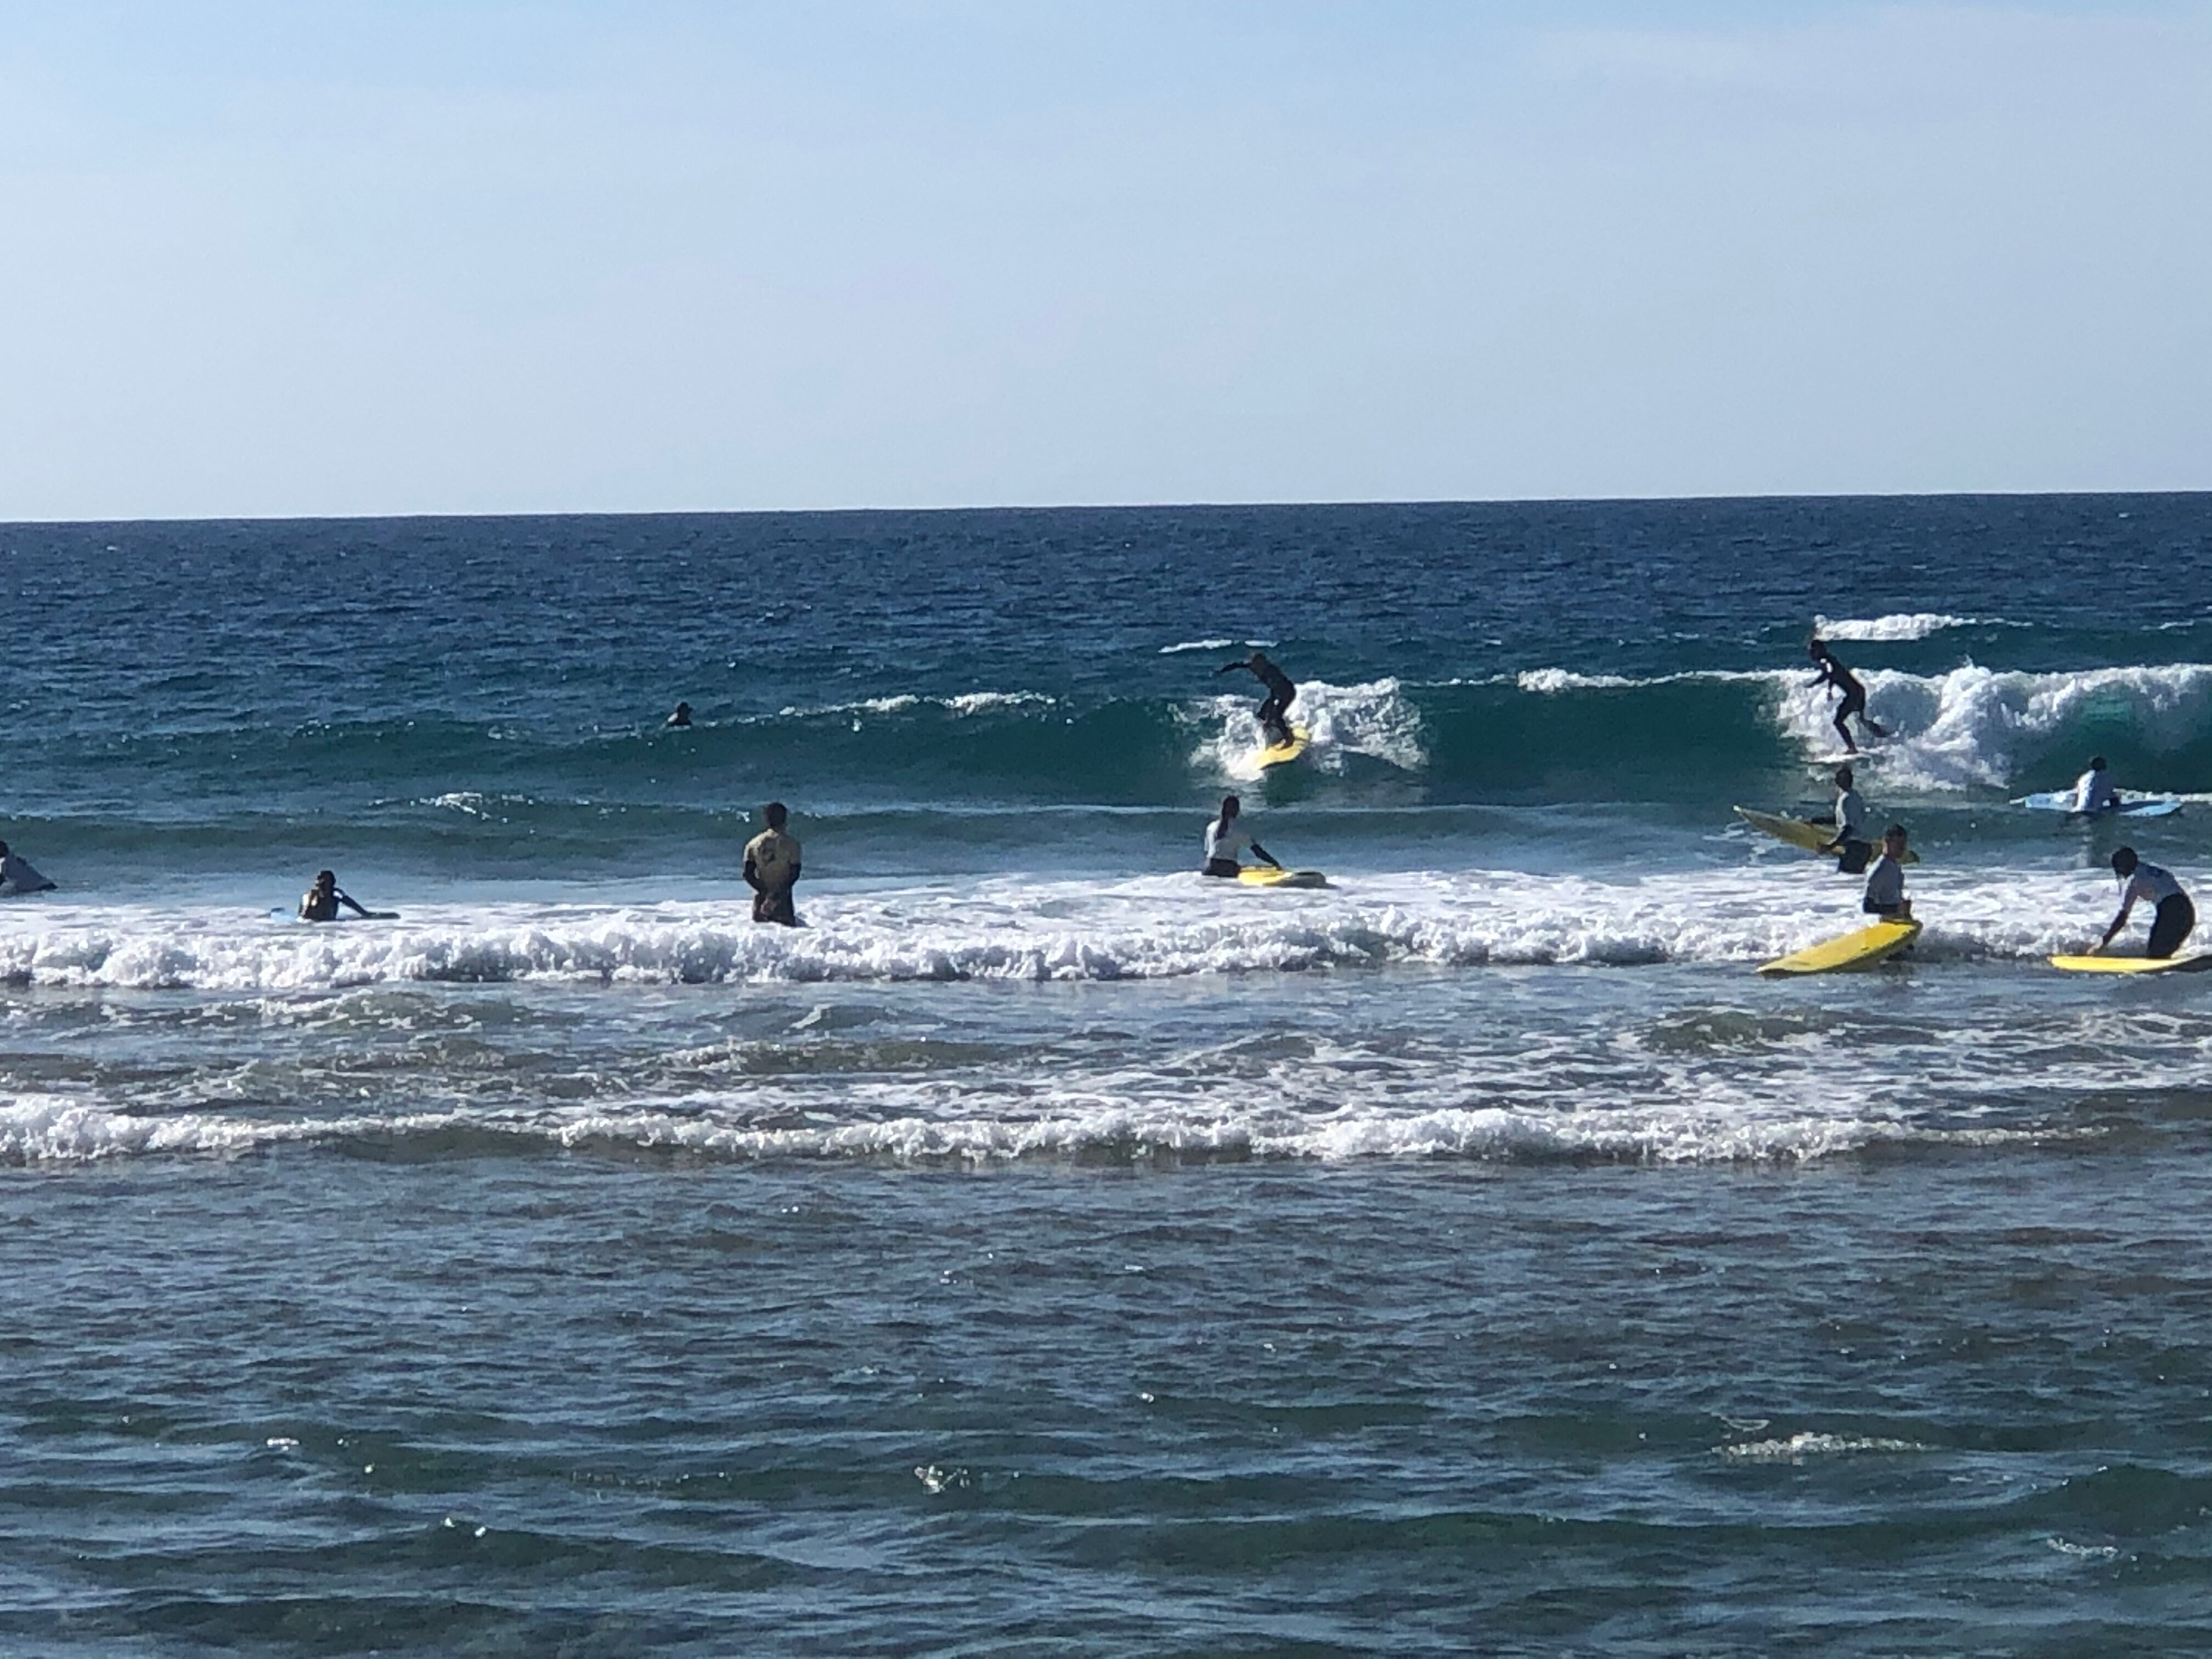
<point>1275,706</point>
<point>2093,791</point>
<point>1854,697</point>
<point>2175,918</point>
<point>1885,889</point>
<point>772,868</point>
<point>1850,845</point>
<point>1225,839</point>
<point>681,718</point>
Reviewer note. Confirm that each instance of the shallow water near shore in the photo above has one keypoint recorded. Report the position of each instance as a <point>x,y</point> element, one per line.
<point>1043,1249</point>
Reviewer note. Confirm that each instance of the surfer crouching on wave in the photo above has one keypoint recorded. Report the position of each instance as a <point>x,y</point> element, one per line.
<point>772,868</point>
<point>2175,917</point>
<point>1885,889</point>
<point>1225,839</point>
<point>321,902</point>
<point>1854,697</point>
<point>1275,706</point>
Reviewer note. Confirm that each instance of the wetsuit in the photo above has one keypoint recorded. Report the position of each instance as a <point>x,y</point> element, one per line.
<point>1850,845</point>
<point>17,876</point>
<point>1275,708</point>
<point>1855,699</point>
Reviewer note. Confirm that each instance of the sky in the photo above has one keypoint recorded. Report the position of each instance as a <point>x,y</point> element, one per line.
<point>465,257</point>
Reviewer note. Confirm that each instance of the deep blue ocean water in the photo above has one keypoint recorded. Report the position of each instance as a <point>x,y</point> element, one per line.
<point>1043,1250</point>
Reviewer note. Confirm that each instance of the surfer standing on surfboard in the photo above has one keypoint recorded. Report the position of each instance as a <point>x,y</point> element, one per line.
<point>1855,697</point>
<point>2176,915</point>
<point>1276,707</point>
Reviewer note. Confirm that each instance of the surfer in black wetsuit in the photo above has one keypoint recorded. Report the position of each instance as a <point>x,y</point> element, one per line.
<point>321,902</point>
<point>1276,705</point>
<point>1855,697</point>
<point>682,717</point>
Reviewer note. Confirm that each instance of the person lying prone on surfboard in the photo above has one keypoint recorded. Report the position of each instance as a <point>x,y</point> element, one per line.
<point>321,902</point>
<point>2175,918</point>
<point>1225,839</point>
<point>1275,706</point>
<point>1885,889</point>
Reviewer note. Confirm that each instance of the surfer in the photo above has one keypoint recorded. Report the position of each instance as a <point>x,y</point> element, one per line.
<point>1854,697</point>
<point>1850,845</point>
<point>17,876</point>
<point>681,717</point>
<point>772,868</point>
<point>1225,838</point>
<point>1885,889</point>
<point>320,902</point>
<point>1275,706</point>
<point>2175,915</point>
<point>2093,791</point>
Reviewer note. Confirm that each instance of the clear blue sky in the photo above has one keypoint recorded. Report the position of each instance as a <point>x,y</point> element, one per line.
<point>327,258</point>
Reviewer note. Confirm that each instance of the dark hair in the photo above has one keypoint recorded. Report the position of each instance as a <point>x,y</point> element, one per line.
<point>1844,776</point>
<point>1230,805</point>
<point>2096,762</point>
<point>3,850</point>
<point>775,813</point>
<point>330,876</point>
<point>2127,853</point>
<point>1894,830</point>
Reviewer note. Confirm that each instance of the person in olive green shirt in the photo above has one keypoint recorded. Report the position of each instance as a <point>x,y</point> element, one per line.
<point>772,868</point>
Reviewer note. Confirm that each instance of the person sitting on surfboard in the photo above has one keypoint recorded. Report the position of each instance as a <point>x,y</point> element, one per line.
<point>682,717</point>
<point>1276,707</point>
<point>321,902</point>
<point>2175,916</point>
<point>1885,889</point>
<point>17,876</point>
<point>1851,844</point>
<point>1855,697</point>
<point>2093,791</point>
<point>1225,839</point>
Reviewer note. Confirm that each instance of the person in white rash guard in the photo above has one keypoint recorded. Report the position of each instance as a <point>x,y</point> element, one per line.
<point>1225,839</point>
<point>1885,889</point>
<point>2176,916</point>
<point>2093,791</point>
<point>1850,845</point>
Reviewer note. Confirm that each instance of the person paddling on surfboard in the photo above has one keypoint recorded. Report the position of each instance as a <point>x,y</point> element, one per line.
<point>321,902</point>
<point>1275,706</point>
<point>2175,918</point>
<point>1854,697</point>
<point>1225,839</point>
<point>1885,889</point>
<point>2094,791</point>
<point>1850,845</point>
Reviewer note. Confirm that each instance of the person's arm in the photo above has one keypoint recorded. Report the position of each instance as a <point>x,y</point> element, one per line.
<point>347,899</point>
<point>1260,852</point>
<point>1231,667</point>
<point>793,882</point>
<point>2127,909</point>
<point>752,875</point>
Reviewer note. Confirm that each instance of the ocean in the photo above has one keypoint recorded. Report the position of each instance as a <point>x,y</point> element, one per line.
<point>1044,1250</point>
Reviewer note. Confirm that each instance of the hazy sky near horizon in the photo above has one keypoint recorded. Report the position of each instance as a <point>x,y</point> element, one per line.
<point>468,257</point>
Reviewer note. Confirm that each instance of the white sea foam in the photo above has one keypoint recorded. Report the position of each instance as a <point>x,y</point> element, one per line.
<point>1798,1448</point>
<point>1375,719</point>
<point>1025,928</point>
<point>1213,645</point>
<point>1904,625</point>
<point>1549,682</point>
<point>966,702</point>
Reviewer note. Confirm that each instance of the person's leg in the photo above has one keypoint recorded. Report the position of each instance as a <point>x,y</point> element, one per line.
<point>2175,920</point>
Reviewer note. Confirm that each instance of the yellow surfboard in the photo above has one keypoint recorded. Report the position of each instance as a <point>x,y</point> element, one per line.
<point>1860,950</point>
<point>1281,754</point>
<point>2133,965</point>
<point>1812,837</point>
<point>1263,875</point>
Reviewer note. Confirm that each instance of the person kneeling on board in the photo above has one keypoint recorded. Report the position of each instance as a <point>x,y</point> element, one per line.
<point>1885,889</point>
<point>1225,839</point>
<point>17,876</point>
<point>1851,845</point>
<point>321,902</point>
<point>772,868</point>
<point>2094,791</point>
<point>2175,916</point>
